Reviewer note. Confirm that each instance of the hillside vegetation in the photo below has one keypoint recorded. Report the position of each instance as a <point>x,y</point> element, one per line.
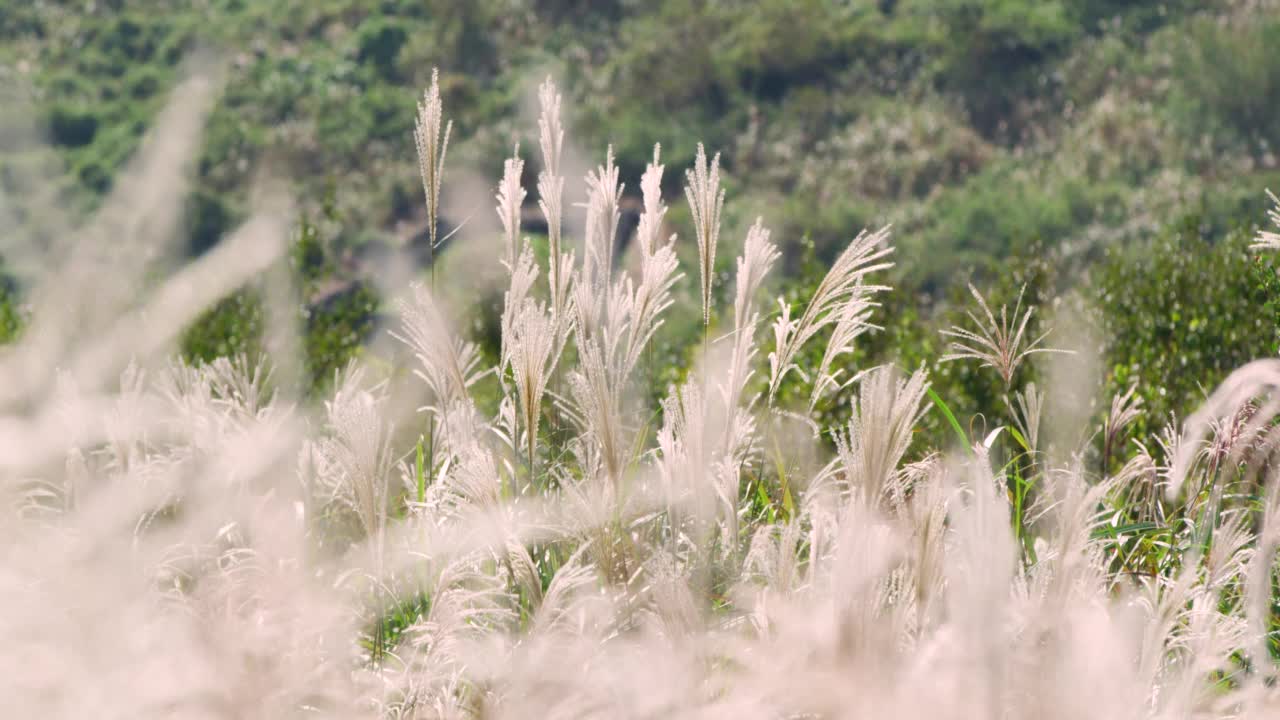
<point>976,127</point>
<point>987,133</point>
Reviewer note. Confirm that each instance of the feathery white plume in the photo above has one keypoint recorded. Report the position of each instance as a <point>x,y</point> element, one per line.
<point>840,299</point>
<point>996,344</point>
<point>433,143</point>
<point>510,199</point>
<point>706,200</point>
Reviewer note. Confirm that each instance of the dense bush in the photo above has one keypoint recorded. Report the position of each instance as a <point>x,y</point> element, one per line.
<point>11,319</point>
<point>72,127</point>
<point>996,54</point>
<point>335,314</point>
<point>903,101</point>
<point>233,328</point>
<point>336,328</point>
<point>1180,311</point>
<point>1228,79</point>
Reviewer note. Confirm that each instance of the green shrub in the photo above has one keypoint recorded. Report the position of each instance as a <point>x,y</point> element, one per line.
<point>1228,79</point>
<point>231,328</point>
<point>1181,311</point>
<point>336,326</point>
<point>994,53</point>
<point>209,217</point>
<point>337,314</point>
<point>379,41</point>
<point>11,314</point>
<point>72,126</point>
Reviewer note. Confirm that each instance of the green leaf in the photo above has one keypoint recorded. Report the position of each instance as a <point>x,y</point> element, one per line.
<point>1135,528</point>
<point>765,501</point>
<point>420,473</point>
<point>1018,436</point>
<point>951,418</point>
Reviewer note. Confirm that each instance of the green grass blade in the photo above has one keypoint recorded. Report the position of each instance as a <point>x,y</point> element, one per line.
<point>420,473</point>
<point>951,418</point>
<point>1018,436</point>
<point>1135,528</point>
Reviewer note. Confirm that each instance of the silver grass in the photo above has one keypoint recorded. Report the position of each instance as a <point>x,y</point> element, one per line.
<point>562,607</point>
<point>447,365</point>
<point>611,336</point>
<point>980,574</point>
<point>1139,483</point>
<point>687,455</point>
<point>478,483</point>
<point>1125,409</point>
<point>510,197</point>
<point>551,189</point>
<point>649,229</point>
<point>1030,409</point>
<point>432,141</point>
<point>925,516</point>
<point>1244,441</point>
<point>706,200</point>
<point>840,295</point>
<point>1259,574</point>
<point>1071,508</point>
<point>1229,551</point>
<point>535,351</point>
<point>851,321</point>
<point>353,462</point>
<point>474,480</point>
<point>773,557</point>
<point>186,572</point>
<point>562,278</point>
<point>597,407</point>
<point>523,274</point>
<point>1254,381</point>
<point>456,429</point>
<point>740,421</point>
<point>468,603</point>
<point>879,431</point>
<point>996,344</point>
<point>643,307</point>
<point>758,256</point>
<point>604,193</point>
<point>1266,239</point>
<point>850,610</point>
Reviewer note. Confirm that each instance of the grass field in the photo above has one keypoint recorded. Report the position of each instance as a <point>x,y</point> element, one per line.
<point>521,404</point>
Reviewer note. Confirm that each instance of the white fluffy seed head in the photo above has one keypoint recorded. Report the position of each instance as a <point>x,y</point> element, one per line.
<point>706,200</point>
<point>510,197</point>
<point>432,141</point>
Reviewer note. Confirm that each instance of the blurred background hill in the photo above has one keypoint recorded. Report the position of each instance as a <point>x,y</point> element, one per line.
<point>1009,142</point>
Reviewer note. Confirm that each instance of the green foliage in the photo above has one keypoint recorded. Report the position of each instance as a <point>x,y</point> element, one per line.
<point>208,218</point>
<point>72,126</point>
<point>1229,79</point>
<point>335,329</point>
<point>1182,310</point>
<point>231,328</point>
<point>1267,280</point>
<point>11,313</point>
<point>853,113</point>
<point>995,53</point>
<point>337,314</point>
<point>986,132</point>
<point>999,213</point>
<point>378,42</point>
